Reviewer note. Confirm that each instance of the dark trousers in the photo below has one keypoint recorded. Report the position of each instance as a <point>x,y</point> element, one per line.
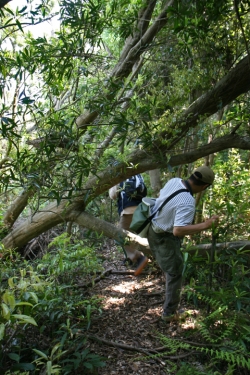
<point>165,248</point>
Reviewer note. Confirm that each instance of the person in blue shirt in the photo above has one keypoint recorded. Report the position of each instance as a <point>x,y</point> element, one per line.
<point>128,195</point>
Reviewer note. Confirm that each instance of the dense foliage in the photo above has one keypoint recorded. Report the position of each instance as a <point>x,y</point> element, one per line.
<point>153,84</point>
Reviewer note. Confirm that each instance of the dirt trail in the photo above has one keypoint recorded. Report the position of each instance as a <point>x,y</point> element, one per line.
<point>130,320</point>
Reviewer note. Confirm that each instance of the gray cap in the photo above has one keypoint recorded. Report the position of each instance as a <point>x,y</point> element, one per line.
<point>207,175</point>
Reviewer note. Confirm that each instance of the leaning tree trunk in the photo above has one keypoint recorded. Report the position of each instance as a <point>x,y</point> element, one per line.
<point>43,221</point>
<point>34,226</point>
<point>54,214</point>
<point>209,159</point>
<point>17,207</point>
<point>134,47</point>
<point>155,181</point>
<point>233,84</point>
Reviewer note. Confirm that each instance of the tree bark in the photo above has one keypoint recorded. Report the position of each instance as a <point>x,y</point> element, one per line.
<point>35,225</point>
<point>160,160</point>
<point>223,245</point>
<point>16,207</point>
<point>22,236</point>
<point>137,47</point>
<point>155,181</point>
<point>144,17</point>
<point>45,220</point>
<point>203,249</point>
<point>235,83</point>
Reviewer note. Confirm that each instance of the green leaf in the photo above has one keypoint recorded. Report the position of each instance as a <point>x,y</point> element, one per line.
<point>26,100</point>
<point>34,296</point>
<point>14,357</point>
<point>25,319</point>
<point>22,10</point>
<point>49,367</point>
<point>5,311</point>
<point>55,348</point>
<point>24,366</point>
<point>24,304</point>
<point>2,330</point>
<point>88,365</point>
<point>11,282</point>
<point>9,299</point>
<point>19,25</point>
<point>42,355</point>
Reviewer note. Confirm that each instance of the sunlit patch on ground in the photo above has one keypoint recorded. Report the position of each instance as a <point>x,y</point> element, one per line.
<point>189,321</point>
<point>148,284</point>
<point>113,301</point>
<point>153,315</point>
<point>125,287</point>
<point>189,324</point>
<point>154,311</point>
<point>129,286</point>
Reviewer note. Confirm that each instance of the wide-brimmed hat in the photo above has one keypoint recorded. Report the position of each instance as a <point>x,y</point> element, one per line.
<point>204,174</point>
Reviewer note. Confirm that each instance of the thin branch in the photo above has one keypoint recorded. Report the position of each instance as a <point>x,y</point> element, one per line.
<point>133,49</point>
<point>147,352</point>
<point>102,147</point>
<point>124,66</point>
<point>103,275</point>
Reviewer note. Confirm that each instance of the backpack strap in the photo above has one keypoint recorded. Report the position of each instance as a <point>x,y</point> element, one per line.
<point>167,200</point>
<point>149,219</point>
<point>140,179</point>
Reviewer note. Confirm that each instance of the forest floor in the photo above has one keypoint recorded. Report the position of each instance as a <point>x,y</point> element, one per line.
<point>126,333</point>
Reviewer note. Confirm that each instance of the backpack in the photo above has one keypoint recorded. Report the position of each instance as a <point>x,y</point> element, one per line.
<point>142,216</point>
<point>134,187</point>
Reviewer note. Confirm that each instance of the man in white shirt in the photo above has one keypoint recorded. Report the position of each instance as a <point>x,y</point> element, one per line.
<point>170,225</point>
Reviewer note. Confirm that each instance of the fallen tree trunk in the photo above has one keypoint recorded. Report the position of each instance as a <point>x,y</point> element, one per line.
<point>109,230</point>
<point>32,227</point>
<point>53,215</point>
<point>202,249</point>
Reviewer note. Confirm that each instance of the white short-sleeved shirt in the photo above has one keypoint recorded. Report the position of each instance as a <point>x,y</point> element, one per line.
<point>178,212</point>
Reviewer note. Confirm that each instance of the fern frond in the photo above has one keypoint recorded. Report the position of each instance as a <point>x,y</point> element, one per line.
<point>209,300</point>
<point>234,358</point>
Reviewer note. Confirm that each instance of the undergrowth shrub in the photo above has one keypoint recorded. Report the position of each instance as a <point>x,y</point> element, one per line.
<point>44,315</point>
<point>224,353</point>
<point>219,289</point>
<point>225,279</point>
<point>197,369</point>
<point>65,258</point>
